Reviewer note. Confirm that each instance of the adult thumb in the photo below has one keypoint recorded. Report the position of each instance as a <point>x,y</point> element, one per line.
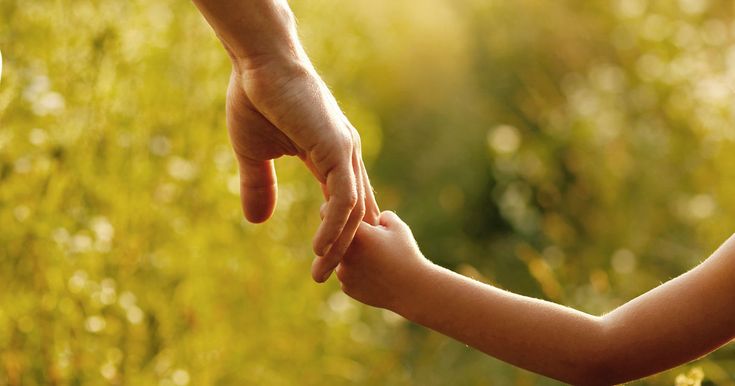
<point>258,189</point>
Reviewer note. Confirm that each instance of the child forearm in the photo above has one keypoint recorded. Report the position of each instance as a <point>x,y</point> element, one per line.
<point>667,326</point>
<point>674,323</point>
<point>536,335</point>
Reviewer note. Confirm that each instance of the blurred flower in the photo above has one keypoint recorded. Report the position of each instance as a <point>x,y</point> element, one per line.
<point>80,243</point>
<point>104,233</point>
<point>107,293</point>
<point>23,165</point>
<point>701,206</point>
<point>714,90</point>
<point>60,236</point>
<point>631,8</point>
<point>77,282</point>
<point>513,203</point>
<point>95,323</point>
<point>694,377</point>
<point>134,315</point>
<point>159,145</point>
<point>124,139</point>
<point>37,136</point>
<point>339,309</point>
<point>180,377</point>
<point>504,139</point>
<point>181,169</point>
<point>127,301</point>
<point>224,159</point>
<point>43,100</point>
<point>49,103</point>
<point>233,184</point>
<point>693,7</point>
<point>623,261</point>
<point>21,213</point>
<point>108,370</point>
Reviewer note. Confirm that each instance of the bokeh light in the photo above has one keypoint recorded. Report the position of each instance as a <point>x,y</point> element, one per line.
<point>574,151</point>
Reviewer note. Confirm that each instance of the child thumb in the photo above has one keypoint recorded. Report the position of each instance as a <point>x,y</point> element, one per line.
<point>390,219</point>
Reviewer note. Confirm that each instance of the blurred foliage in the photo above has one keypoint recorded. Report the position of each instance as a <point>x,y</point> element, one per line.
<point>575,151</point>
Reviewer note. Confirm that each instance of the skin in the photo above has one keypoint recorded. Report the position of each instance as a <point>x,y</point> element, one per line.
<point>278,105</point>
<point>669,325</point>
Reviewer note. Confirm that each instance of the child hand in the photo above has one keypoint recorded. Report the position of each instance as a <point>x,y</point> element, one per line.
<point>383,264</point>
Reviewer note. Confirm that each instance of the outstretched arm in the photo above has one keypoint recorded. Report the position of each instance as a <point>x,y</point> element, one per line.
<point>667,326</point>
<point>278,105</point>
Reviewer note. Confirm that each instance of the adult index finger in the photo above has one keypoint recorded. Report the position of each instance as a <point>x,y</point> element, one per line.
<point>342,198</point>
<point>323,266</point>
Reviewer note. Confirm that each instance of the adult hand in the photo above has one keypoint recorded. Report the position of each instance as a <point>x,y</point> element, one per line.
<point>275,110</point>
<point>277,105</point>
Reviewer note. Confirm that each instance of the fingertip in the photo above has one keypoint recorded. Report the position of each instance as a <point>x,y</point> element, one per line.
<point>257,217</point>
<point>258,189</point>
<point>258,206</point>
<point>389,218</point>
<point>363,230</point>
<point>323,211</point>
<point>321,247</point>
<point>319,272</point>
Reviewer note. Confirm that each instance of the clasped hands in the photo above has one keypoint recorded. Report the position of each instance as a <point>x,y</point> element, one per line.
<point>278,105</point>
<point>276,109</point>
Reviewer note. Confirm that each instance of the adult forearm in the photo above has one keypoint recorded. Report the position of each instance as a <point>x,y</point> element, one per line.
<point>255,31</point>
<point>536,335</point>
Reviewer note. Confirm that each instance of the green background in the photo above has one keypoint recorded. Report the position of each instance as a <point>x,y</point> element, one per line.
<point>577,151</point>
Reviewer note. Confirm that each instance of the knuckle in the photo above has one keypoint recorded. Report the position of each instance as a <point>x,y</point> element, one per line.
<point>360,209</point>
<point>351,199</point>
<point>346,141</point>
<point>322,155</point>
<point>356,140</point>
<point>347,201</point>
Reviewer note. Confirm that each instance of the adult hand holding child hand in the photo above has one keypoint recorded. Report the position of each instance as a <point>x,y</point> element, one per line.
<point>383,266</point>
<point>278,105</point>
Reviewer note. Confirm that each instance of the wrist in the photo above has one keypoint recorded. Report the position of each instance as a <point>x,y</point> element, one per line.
<point>416,292</point>
<point>272,65</point>
<point>259,34</point>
